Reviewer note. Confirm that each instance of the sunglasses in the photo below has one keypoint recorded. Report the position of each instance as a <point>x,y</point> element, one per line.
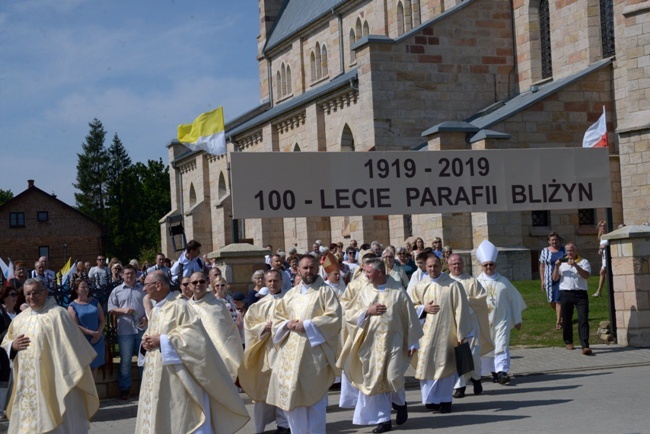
<point>196,282</point>
<point>220,285</point>
<point>12,294</point>
<point>185,284</point>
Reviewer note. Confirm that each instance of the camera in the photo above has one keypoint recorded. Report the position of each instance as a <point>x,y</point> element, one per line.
<point>565,259</point>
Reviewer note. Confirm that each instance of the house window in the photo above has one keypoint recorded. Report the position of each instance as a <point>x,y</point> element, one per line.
<point>408,225</point>
<point>44,251</point>
<point>42,216</point>
<point>587,217</point>
<point>17,220</point>
<point>539,218</point>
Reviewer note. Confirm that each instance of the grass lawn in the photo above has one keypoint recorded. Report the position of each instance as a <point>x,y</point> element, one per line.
<point>538,328</point>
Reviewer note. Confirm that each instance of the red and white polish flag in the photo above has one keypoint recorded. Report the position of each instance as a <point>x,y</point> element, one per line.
<point>596,135</point>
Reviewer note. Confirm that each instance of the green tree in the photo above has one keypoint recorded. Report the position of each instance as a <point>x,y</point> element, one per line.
<point>92,166</point>
<point>118,200</point>
<point>5,195</point>
<point>154,201</point>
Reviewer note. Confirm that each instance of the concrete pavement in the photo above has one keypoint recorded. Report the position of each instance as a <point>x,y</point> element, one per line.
<point>552,390</point>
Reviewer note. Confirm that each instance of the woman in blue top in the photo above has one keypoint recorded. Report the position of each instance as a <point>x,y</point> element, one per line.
<point>89,315</point>
<point>547,259</point>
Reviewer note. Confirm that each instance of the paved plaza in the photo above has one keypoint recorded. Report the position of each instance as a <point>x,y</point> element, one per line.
<point>552,391</point>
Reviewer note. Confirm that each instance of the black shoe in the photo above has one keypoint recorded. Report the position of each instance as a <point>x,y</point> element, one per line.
<point>503,378</point>
<point>402,413</point>
<point>459,393</point>
<point>478,387</point>
<point>282,430</point>
<point>445,407</point>
<point>495,377</point>
<point>124,395</point>
<point>383,427</point>
<point>434,407</point>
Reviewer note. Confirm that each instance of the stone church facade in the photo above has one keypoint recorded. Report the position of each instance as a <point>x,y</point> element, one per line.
<point>358,76</point>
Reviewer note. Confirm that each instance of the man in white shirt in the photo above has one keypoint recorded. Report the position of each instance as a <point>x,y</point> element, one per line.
<point>46,266</point>
<point>100,274</point>
<point>160,265</point>
<point>572,272</point>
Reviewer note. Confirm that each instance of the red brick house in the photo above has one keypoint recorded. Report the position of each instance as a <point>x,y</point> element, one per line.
<point>35,223</point>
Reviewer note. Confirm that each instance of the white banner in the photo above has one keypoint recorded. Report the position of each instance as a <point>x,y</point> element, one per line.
<point>306,184</point>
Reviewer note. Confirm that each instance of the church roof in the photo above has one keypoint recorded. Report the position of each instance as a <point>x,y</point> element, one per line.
<point>294,103</point>
<point>295,15</point>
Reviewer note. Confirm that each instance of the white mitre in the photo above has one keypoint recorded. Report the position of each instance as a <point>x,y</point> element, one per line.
<point>487,252</point>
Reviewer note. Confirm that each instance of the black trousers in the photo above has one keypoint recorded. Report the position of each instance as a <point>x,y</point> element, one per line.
<point>579,300</point>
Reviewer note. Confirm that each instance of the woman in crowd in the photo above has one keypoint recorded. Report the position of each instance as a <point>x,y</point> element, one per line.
<point>293,268</point>
<point>116,273</point>
<point>89,315</point>
<point>405,261</point>
<point>258,283</point>
<point>220,288</point>
<point>418,247</point>
<point>602,230</point>
<point>446,253</point>
<point>20,270</point>
<point>394,270</point>
<point>8,312</point>
<point>547,259</point>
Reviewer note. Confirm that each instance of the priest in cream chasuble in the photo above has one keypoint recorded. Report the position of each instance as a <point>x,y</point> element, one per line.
<point>306,328</point>
<point>386,331</point>
<point>442,303</point>
<point>255,370</point>
<point>53,390</point>
<point>186,387</point>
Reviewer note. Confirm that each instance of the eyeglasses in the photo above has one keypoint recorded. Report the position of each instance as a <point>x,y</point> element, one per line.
<point>219,285</point>
<point>100,259</point>
<point>490,264</point>
<point>185,284</point>
<point>33,293</point>
<point>196,282</point>
<point>12,294</point>
<point>149,283</point>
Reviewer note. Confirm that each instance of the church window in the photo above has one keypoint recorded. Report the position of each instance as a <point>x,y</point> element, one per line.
<point>539,218</point>
<point>545,39</point>
<point>324,69</point>
<point>607,27</point>
<point>319,65</point>
<point>400,19</point>
<point>366,29</point>
<point>312,64</point>
<point>587,217</point>
<point>289,86</point>
<point>353,54</point>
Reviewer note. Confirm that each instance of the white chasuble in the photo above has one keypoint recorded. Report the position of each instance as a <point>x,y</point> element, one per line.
<point>173,396</point>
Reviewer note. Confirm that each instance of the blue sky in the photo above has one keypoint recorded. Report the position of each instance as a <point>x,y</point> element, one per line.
<point>141,67</point>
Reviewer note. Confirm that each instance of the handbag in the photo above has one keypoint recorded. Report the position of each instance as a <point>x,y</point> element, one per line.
<point>464,359</point>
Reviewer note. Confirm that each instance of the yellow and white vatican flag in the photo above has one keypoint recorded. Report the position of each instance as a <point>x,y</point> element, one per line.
<point>206,133</point>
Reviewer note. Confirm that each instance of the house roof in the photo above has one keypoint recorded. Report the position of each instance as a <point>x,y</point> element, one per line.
<point>32,189</point>
<point>295,15</point>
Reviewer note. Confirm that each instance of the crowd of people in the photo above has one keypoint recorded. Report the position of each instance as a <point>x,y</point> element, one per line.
<point>354,315</point>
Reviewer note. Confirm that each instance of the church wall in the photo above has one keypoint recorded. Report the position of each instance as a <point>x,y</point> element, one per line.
<point>435,76</point>
<point>575,35</point>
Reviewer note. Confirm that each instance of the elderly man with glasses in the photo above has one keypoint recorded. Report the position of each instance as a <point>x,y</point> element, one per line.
<point>53,389</point>
<point>505,305</point>
<point>185,385</point>
<point>218,323</point>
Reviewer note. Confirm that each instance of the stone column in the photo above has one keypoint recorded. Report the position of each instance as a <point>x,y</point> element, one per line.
<point>238,262</point>
<point>630,247</point>
<point>455,229</point>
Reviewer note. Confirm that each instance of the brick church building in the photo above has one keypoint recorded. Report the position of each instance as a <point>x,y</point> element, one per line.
<point>357,76</point>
